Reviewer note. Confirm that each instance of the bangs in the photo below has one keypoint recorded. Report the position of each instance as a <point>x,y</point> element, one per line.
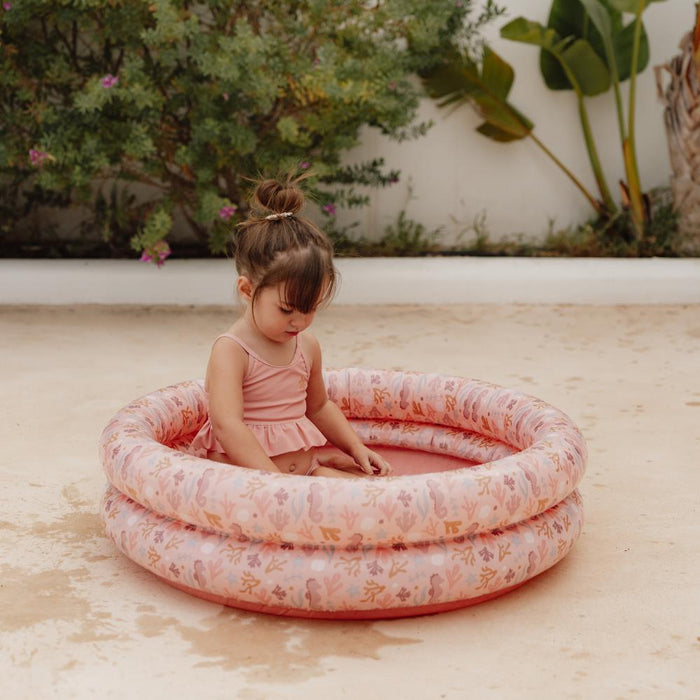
<point>308,276</point>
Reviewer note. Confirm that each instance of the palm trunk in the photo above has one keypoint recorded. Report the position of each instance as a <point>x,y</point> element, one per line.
<point>682,119</point>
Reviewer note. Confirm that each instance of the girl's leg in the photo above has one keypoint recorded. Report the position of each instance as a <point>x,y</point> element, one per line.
<point>319,462</point>
<point>335,464</point>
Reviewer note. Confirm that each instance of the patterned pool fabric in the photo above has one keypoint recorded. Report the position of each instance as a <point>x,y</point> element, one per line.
<point>355,548</point>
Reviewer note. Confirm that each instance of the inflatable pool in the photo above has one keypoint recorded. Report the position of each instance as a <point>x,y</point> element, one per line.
<point>483,498</point>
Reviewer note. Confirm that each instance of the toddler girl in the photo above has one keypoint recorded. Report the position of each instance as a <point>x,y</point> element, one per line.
<point>268,406</point>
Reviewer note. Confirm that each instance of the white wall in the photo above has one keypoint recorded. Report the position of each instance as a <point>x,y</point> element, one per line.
<point>458,175</point>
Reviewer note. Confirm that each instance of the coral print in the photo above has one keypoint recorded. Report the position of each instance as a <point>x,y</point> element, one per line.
<point>321,547</point>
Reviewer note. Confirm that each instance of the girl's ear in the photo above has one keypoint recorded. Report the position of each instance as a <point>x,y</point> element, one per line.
<point>245,288</point>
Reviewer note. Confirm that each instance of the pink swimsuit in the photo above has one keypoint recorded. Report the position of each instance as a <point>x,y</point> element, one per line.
<point>274,406</point>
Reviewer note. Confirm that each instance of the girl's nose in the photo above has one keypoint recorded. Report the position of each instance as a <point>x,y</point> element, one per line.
<point>301,321</point>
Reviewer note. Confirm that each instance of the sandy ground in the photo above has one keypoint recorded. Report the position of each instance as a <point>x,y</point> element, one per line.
<point>618,618</point>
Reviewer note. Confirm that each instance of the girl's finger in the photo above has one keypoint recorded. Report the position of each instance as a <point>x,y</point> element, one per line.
<point>367,467</point>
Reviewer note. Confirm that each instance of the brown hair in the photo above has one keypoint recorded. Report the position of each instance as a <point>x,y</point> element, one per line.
<point>276,245</point>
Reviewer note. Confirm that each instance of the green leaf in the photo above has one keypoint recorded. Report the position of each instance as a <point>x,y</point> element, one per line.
<point>585,70</point>
<point>495,134</point>
<point>569,18</point>
<point>156,228</point>
<point>460,81</point>
<point>631,6</point>
<point>617,40</point>
<point>623,43</point>
<point>497,73</point>
<point>288,129</point>
<point>210,203</point>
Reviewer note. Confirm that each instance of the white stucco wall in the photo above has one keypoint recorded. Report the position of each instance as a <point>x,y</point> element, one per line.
<point>457,175</point>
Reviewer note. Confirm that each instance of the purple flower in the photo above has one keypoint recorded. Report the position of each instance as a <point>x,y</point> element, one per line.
<point>227,212</point>
<point>7,6</point>
<point>156,253</point>
<point>304,165</point>
<point>329,208</point>
<point>109,81</point>
<point>38,157</point>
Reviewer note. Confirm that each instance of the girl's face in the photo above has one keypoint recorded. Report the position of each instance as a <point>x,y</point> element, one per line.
<point>275,319</point>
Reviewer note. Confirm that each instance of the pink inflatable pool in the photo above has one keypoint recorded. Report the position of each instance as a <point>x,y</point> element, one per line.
<point>483,498</point>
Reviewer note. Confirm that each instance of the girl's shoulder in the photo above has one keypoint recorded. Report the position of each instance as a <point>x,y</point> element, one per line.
<point>310,349</point>
<point>228,361</point>
<point>228,343</point>
<point>234,340</point>
<point>309,344</point>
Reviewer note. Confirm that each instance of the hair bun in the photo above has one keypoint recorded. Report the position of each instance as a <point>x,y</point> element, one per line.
<point>278,197</point>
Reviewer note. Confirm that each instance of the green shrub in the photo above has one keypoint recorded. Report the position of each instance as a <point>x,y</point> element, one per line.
<point>194,99</point>
<point>604,237</point>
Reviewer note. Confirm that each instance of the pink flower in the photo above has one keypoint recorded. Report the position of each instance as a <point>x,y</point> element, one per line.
<point>225,96</point>
<point>7,6</point>
<point>109,81</point>
<point>38,158</point>
<point>329,208</point>
<point>304,165</point>
<point>227,212</point>
<point>156,253</point>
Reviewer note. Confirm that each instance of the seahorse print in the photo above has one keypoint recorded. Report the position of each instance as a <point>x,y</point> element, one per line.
<point>438,498</point>
<point>313,593</point>
<point>435,592</point>
<point>202,486</point>
<point>315,500</point>
<point>199,575</point>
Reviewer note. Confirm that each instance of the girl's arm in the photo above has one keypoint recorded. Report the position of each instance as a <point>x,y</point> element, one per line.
<point>329,419</point>
<point>227,366</point>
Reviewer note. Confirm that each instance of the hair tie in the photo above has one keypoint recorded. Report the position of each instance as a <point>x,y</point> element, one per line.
<point>280,215</point>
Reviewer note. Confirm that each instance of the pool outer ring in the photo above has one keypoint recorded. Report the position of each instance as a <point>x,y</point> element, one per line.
<point>533,547</point>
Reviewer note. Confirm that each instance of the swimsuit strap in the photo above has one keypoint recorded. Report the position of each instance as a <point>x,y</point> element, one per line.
<point>252,353</point>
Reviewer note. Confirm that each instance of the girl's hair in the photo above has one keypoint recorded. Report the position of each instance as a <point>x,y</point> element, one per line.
<point>276,245</point>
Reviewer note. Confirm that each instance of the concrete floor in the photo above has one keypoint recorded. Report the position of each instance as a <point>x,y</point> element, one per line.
<point>618,618</point>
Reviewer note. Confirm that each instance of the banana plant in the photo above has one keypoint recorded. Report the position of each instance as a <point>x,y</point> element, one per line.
<point>461,80</point>
<point>638,58</point>
<point>622,51</point>
<point>583,70</point>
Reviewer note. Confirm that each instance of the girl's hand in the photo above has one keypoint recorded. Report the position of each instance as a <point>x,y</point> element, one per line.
<point>362,460</point>
<point>370,462</point>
